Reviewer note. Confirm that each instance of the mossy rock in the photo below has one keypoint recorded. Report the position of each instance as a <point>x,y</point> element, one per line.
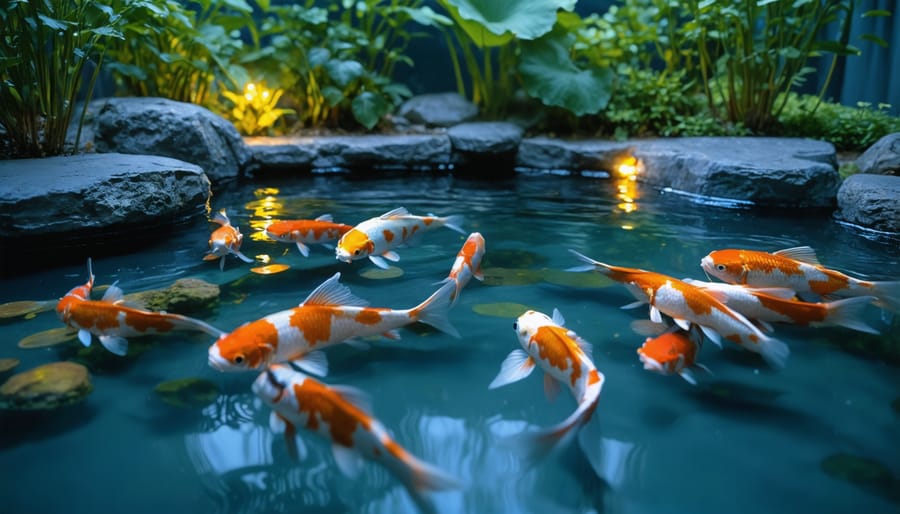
<point>188,392</point>
<point>864,472</point>
<point>46,387</point>
<point>185,296</point>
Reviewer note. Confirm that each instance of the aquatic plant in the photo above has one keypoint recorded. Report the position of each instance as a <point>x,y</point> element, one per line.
<point>47,48</point>
<point>255,108</point>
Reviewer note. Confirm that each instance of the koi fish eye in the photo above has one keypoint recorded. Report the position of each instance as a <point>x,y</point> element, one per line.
<point>516,326</point>
<point>356,252</point>
<point>238,359</point>
<point>721,267</point>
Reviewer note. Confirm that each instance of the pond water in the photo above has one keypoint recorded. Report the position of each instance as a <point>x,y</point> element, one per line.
<point>746,439</point>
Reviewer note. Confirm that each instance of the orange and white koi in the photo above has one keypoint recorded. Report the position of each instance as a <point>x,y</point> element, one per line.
<point>778,305</point>
<point>687,304</point>
<point>330,315</point>
<point>377,237</point>
<point>673,351</point>
<point>342,415</point>
<point>112,321</point>
<point>565,358</point>
<point>467,264</point>
<point>798,269</point>
<point>322,230</point>
<point>225,240</point>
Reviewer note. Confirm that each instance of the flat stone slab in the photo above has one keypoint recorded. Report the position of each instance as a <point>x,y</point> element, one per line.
<point>96,194</point>
<point>870,201</point>
<point>544,153</point>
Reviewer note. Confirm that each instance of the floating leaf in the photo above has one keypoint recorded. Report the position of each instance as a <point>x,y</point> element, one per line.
<point>25,307</point>
<point>50,337</point>
<point>501,309</point>
<point>381,274</point>
<point>8,364</point>
<point>271,269</point>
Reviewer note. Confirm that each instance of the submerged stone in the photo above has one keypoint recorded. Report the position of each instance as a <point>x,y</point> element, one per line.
<point>188,392</point>
<point>51,337</point>
<point>46,387</point>
<point>185,296</point>
<point>864,472</point>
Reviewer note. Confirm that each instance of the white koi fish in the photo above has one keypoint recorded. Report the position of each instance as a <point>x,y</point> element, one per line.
<point>687,304</point>
<point>331,314</point>
<point>467,264</point>
<point>342,415</point>
<point>112,321</point>
<point>225,240</point>
<point>322,230</point>
<point>798,269</point>
<point>565,358</point>
<point>778,305</point>
<point>377,237</point>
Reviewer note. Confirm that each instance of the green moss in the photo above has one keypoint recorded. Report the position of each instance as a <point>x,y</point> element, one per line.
<point>188,392</point>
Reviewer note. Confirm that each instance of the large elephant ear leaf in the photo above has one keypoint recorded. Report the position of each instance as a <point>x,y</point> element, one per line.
<point>549,74</point>
<point>497,22</point>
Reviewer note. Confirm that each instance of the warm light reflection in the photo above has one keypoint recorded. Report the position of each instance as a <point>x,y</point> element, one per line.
<point>262,212</point>
<point>626,185</point>
<point>628,167</point>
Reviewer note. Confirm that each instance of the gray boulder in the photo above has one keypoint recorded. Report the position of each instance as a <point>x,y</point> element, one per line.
<point>485,146</point>
<point>281,153</point>
<point>67,198</point>
<point>782,172</point>
<point>883,157</point>
<point>184,131</point>
<point>438,109</point>
<point>382,151</point>
<point>544,153</point>
<point>871,201</point>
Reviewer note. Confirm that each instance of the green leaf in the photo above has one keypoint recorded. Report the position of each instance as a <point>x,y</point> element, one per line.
<point>875,39</point>
<point>318,56</point>
<point>238,5</point>
<point>344,72</point>
<point>426,16</point>
<point>497,22</point>
<point>333,96</point>
<point>368,108</point>
<point>876,12</point>
<point>54,23</point>
<point>549,74</point>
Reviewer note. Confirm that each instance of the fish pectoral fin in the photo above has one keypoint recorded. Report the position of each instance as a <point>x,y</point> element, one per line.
<point>704,368</point>
<point>379,261</point>
<point>645,327</point>
<point>304,250</point>
<point>516,366</point>
<point>763,326</point>
<point>222,263</point>
<point>551,387</point>
<point>359,398</point>
<point>85,337</point>
<point>242,257</point>
<point>478,274</point>
<point>558,317</point>
<point>359,345</point>
<point>392,334</point>
<point>113,294</point>
<point>688,376</point>
<point>115,344</point>
<point>332,292</point>
<point>633,305</point>
<point>347,460</point>
<point>712,335</point>
<point>682,323</point>
<point>315,363</point>
<point>391,256</point>
<point>655,315</point>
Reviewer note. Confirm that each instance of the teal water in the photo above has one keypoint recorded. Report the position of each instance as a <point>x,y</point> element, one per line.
<point>747,439</point>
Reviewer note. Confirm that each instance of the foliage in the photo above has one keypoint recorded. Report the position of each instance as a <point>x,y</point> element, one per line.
<point>337,69</point>
<point>188,55</point>
<point>46,47</point>
<point>848,128</point>
<point>255,110</point>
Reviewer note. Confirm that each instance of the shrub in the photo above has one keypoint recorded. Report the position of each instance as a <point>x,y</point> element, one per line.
<point>848,128</point>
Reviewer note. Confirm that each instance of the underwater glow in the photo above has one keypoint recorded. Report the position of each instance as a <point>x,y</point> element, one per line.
<point>263,211</point>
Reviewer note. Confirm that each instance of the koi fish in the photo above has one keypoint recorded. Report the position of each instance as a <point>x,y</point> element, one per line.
<point>798,269</point>
<point>330,314</point>
<point>565,358</point>
<point>672,351</point>
<point>342,415</point>
<point>112,321</point>
<point>376,238</point>
<point>225,240</point>
<point>467,264</point>
<point>778,305</point>
<point>321,230</point>
<point>687,304</point>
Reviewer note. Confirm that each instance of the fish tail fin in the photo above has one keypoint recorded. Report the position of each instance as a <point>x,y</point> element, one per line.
<point>849,313</point>
<point>774,352</point>
<point>589,264</point>
<point>888,294</point>
<point>421,478</point>
<point>535,446</point>
<point>455,223</point>
<point>435,309</point>
<point>221,218</point>
<point>187,323</point>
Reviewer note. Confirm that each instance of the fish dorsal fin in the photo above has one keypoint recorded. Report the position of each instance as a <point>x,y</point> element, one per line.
<point>347,460</point>
<point>585,346</point>
<point>800,253</point>
<point>325,217</point>
<point>558,317</point>
<point>399,211</point>
<point>115,344</point>
<point>113,294</point>
<point>332,292</point>
<point>356,397</point>
<point>516,366</point>
<point>85,337</point>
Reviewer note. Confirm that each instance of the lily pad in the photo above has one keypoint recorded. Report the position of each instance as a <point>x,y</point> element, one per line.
<point>188,392</point>
<point>51,337</point>
<point>8,364</point>
<point>271,269</point>
<point>864,472</point>
<point>501,309</point>
<point>381,274</point>
<point>25,308</point>
<point>185,296</point>
<point>46,387</point>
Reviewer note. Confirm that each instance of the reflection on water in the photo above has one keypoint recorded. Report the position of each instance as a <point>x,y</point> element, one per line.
<point>749,439</point>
